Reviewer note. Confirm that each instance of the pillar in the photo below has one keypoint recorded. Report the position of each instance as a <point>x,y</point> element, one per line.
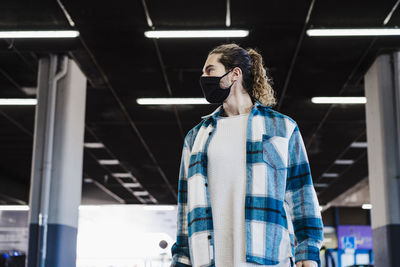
<point>56,177</point>
<point>383,132</point>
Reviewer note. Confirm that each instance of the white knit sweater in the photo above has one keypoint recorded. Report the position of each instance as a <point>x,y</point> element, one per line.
<point>227,185</point>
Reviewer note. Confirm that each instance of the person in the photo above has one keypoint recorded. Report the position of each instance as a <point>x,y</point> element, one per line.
<point>245,191</point>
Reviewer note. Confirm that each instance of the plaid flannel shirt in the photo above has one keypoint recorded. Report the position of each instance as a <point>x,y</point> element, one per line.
<point>282,216</point>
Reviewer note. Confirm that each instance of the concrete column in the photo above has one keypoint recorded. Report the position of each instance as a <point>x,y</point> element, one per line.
<point>383,134</point>
<point>56,178</point>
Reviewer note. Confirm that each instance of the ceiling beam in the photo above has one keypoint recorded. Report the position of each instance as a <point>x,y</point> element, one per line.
<point>296,52</point>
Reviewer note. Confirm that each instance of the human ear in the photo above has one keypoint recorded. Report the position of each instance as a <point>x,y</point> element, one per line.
<point>236,72</point>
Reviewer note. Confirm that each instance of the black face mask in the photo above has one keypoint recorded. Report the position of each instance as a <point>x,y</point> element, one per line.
<point>212,91</point>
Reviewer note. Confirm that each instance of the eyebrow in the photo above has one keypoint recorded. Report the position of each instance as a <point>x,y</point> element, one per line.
<point>209,66</point>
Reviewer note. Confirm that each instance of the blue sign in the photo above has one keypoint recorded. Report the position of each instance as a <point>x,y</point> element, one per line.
<point>361,233</point>
<point>349,242</point>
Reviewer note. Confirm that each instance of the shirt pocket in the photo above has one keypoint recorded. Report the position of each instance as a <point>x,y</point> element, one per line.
<point>275,151</point>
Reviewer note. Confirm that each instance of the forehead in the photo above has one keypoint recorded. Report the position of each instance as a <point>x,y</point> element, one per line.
<point>212,60</point>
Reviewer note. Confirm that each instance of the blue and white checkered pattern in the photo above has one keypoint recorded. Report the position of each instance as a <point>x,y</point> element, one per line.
<point>282,215</point>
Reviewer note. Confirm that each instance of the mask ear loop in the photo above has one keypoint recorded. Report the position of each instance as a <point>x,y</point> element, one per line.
<point>226,73</point>
<point>253,99</point>
<point>223,77</point>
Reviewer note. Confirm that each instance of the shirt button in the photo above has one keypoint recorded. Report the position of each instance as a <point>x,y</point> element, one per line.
<point>207,210</point>
<point>209,237</point>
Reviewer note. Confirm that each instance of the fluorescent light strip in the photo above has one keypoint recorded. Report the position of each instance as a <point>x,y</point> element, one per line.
<point>93,145</point>
<point>122,175</point>
<point>171,101</point>
<point>197,34</point>
<point>344,161</point>
<point>359,144</point>
<point>339,100</point>
<point>366,206</point>
<point>18,101</point>
<point>38,34</point>
<point>88,180</point>
<point>320,185</point>
<point>140,193</point>
<point>354,32</point>
<point>108,161</point>
<point>13,207</point>
<point>330,175</point>
<point>132,185</point>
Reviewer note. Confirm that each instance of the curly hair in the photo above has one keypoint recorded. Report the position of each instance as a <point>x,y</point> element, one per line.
<point>256,80</point>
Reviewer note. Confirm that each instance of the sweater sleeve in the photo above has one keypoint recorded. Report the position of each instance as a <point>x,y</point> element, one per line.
<point>303,202</point>
<point>180,249</point>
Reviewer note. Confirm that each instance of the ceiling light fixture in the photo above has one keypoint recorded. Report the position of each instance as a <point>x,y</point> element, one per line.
<point>321,185</point>
<point>366,206</point>
<point>197,34</point>
<point>344,161</point>
<point>140,193</point>
<point>93,145</point>
<point>359,144</point>
<point>131,185</point>
<point>18,101</point>
<point>171,101</point>
<point>339,100</point>
<point>354,32</point>
<point>330,175</point>
<point>38,34</point>
<point>108,161</point>
<point>122,175</point>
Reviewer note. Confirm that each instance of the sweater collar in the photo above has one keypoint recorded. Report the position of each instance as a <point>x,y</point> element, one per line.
<point>217,111</point>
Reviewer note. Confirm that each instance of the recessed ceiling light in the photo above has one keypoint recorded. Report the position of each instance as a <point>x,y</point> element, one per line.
<point>38,34</point>
<point>197,34</point>
<point>171,101</point>
<point>339,100</point>
<point>93,145</point>
<point>353,32</point>
<point>18,101</point>
<point>344,161</point>
<point>359,144</point>
<point>108,161</point>
<point>330,175</point>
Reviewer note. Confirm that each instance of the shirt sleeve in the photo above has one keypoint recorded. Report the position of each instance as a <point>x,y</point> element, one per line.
<point>303,202</point>
<point>180,249</point>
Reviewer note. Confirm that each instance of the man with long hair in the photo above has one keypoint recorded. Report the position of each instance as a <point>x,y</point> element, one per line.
<point>246,196</point>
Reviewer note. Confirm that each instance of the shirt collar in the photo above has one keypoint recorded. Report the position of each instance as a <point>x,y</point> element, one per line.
<point>215,113</point>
